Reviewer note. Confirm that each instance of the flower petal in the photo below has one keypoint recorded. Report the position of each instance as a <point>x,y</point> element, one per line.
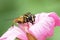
<point>2,38</point>
<point>39,16</point>
<point>43,28</point>
<point>13,32</point>
<point>55,17</point>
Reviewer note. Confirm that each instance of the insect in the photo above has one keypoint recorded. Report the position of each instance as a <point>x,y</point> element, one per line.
<point>28,17</point>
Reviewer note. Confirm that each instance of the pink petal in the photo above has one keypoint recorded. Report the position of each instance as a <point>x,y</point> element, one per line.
<point>43,28</point>
<point>55,17</point>
<point>39,16</point>
<point>13,32</point>
<point>2,38</point>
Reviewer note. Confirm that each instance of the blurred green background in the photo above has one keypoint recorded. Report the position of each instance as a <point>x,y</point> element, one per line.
<point>10,9</point>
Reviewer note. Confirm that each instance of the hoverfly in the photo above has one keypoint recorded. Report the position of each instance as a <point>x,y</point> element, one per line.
<point>28,17</point>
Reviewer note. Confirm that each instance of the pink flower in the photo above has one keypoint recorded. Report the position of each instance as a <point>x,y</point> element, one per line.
<point>43,28</point>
